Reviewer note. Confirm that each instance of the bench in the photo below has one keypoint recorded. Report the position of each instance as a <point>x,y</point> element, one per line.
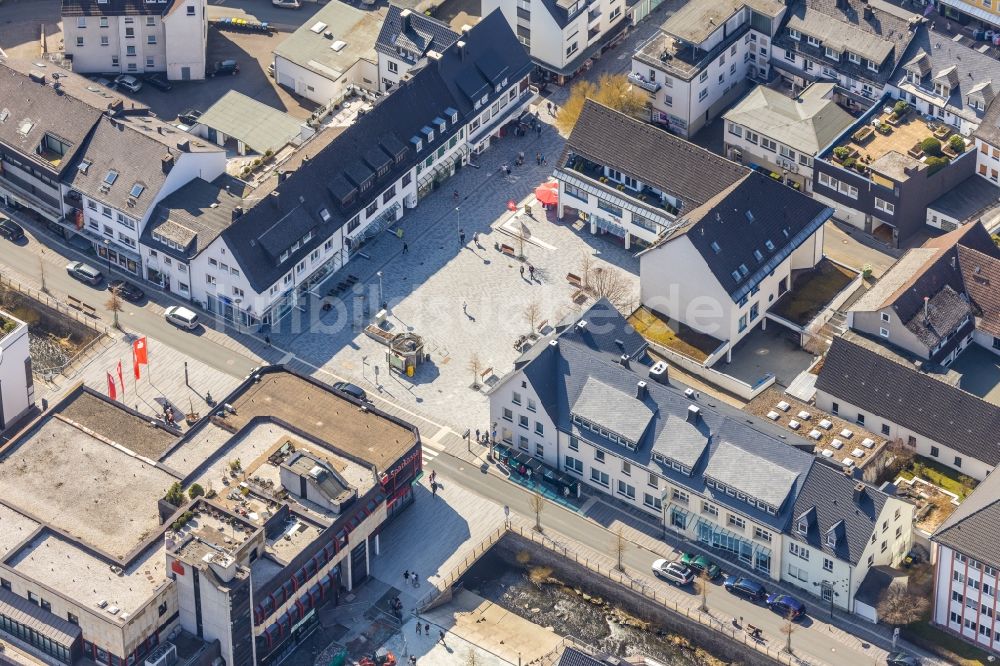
<point>574,280</point>
<point>579,296</point>
<point>488,372</point>
<point>507,249</point>
<point>542,324</point>
<point>74,303</point>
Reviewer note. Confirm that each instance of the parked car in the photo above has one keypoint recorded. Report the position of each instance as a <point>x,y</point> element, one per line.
<point>287,4</point>
<point>673,572</point>
<point>352,390</point>
<point>182,317</point>
<point>901,659</point>
<point>126,290</point>
<point>84,272</point>
<point>190,117</point>
<point>159,81</point>
<point>746,588</point>
<point>11,230</point>
<point>100,80</point>
<point>223,67</point>
<point>786,606</point>
<point>701,563</point>
<point>129,83</point>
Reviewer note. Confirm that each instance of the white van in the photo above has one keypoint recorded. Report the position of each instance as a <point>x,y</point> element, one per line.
<point>181,316</point>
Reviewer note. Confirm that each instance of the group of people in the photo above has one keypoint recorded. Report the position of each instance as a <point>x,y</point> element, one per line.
<point>411,578</point>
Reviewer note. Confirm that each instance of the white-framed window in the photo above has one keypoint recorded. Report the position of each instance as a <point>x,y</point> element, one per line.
<point>884,332</point>
<point>854,57</point>
<point>735,521</point>
<point>626,490</point>
<point>709,509</point>
<point>884,206</point>
<point>832,54</point>
<point>600,478</point>
<point>886,318</point>
<point>794,34</point>
<point>573,465</point>
<point>812,41</point>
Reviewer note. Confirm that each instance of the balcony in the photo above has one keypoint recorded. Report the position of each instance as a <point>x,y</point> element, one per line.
<point>73,199</point>
<point>637,79</point>
<point>645,195</point>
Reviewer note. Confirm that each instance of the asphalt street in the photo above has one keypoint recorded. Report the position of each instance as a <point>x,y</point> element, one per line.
<point>146,318</point>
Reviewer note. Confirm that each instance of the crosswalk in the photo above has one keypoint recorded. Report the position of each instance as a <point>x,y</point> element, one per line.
<point>430,450</point>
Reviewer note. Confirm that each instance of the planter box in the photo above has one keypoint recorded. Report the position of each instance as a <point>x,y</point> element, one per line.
<point>853,153</point>
<point>863,134</point>
<point>942,132</point>
<point>916,152</point>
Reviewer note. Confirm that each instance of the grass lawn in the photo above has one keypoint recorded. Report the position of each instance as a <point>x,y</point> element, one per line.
<point>673,335</point>
<point>944,644</point>
<point>939,475</point>
<point>812,291</point>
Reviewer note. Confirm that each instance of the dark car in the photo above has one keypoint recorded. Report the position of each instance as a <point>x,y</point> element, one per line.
<point>223,67</point>
<point>746,588</point>
<point>786,606</point>
<point>11,230</point>
<point>126,290</point>
<point>190,117</point>
<point>901,659</point>
<point>159,81</point>
<point>352,390</point>
<point>701,564</point>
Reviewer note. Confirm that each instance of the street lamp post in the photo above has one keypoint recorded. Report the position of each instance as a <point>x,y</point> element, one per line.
<point>238,316</point>
<point>458,219</point>
<point>380,300</point>
<point>107,253</point>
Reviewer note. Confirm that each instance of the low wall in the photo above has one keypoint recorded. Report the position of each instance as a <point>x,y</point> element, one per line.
<point>717,638</point>
<point>722,380</point>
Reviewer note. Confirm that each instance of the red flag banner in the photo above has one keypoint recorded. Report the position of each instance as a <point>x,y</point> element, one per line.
<point>112,393</point>
<point>120,379</point>
<point>139,349</point>
<point>135,365</point>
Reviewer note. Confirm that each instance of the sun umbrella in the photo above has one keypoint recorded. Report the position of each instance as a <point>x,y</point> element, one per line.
<point>547,193</point>
<point>511,205</point>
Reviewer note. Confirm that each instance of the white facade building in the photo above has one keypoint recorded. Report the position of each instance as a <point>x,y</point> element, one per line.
<point>405,41</point>
<point>17,386</point>
<point>704,58</point>
<point>135,38</point>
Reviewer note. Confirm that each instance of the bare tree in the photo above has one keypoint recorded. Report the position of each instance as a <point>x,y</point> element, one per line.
<point>532,312</point>
<point>471,659</point>
<point>610,283</point>
<point>114,303</point>
<point>704,580</point>
<point>41,269</point>
<point>475,366</point>
<point>537,504</point>
<point>621,545</point>
<point>893,459</point>
<point>586,265</point>
<point>523,234</point>
<point>611,90</point>
<point>789,628</point>
<point>898,606</point>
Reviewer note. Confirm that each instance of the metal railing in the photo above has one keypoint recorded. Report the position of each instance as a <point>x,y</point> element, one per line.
<point>444,584</point>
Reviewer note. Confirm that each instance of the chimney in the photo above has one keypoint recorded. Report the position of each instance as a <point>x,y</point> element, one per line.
<point>659,372</point>
<point>640,390</point>
<point>282,175</point>
<point>466,28</point>
<point>275,198</point>
<point>404,20</point>
<point>624,360</point>
<point>184,146</point>
<point>167,163</point>
<point>581,325</point>
<point>869,14</point>
<point>237,212</point>
<point>859,493</point>
<point>36,76</point>
<point>926,301</point>
<point>694,413</point>
<point>460,45</point>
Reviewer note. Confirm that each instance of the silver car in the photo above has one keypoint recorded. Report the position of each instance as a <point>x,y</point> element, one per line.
<point>181,316</point>
<point>129,83</point>
<point>673,572</point>
<point>84,272</point>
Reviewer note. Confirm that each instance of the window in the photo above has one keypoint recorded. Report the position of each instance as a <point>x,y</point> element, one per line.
<point>885,429</point>
<point>73,619</point>
<point>130,50</point>
<point>652,501</point>
<point>209,279</point>
<point>794,34</point>
<point>522,421</point>
<point>743,323</point>
<point>508,415</point>
<point>516,398</point>
<point>703,77</point>
<point>812,41</point>
<point>884,206</point>
<point>114,61</point>
<point>702,94</point>
<point>522,443</point>
<point>679,495</point>
<point>935,452</point>
<point>761,534</point>
<point>599,477</point>
<point>626,468</point>
<point>827,564</point>
<point>735,521</point>
<point>32,598</point>
<point>574,444</point>
<point>150,62</point>
<point>832,54</point>
<point>958,461</point>
<point>104,40</point>
<point>539,428</point>
<point>79,41</point>
<point>768,144</point>
<point>653,481</point>
<point>800,551</point>
<point>532,407</point>
<point>709,509</point>
<point>190,10</point>
<point>626,490</point>
<point>573,465</point>
<point>371,209</point>
<point>151,39</point>
<point>861,419</point>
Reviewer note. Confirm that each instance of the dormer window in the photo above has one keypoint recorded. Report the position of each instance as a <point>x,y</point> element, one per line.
<point>417,142</point>
<point>872,65</point>
<point>942,89</point>
<point>452,113</point>
<point>914,78</point>
<point>324,215</point>
<point>803,526</point>
<point>854,57</point>
<point>428,133</point>
<point>832,54</point>
<point>812,41</point>
<point>794,34</point>
<point>831,537</point>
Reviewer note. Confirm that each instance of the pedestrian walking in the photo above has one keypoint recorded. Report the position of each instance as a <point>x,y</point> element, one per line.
<point>434,489</point>
<point>538,128</point>
<point>522,270</point>
<point>441,634</point>
<point>406,576</point>
<point>477,434</point>
<point>461,237</point>
<point>538,158</point>
<point>416,581</point>
<point>549,107</point>
<point>454,195</point>
<point>267,339</point>
<point>427,629</point>
<point>418,628</point>
<point>475,239</point>
<point>543,160</point>
<point>406,248</point>
<point>465,307</point>
<point>531,271</point>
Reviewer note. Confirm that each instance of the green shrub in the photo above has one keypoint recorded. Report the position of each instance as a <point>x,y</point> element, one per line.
<point>900,108</point>
<point>850,162</point>
<point>931,146</point>
<point>175,494</point>
<point>841,152</point>
<point>885,129</point>
<point>956,143</point>
<point>935,164</point>
<point>195,490</point>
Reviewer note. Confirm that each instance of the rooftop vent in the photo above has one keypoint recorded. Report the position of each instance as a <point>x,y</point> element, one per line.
<point>582,324</point>
<point>641,390</point>
<point>693,414</point>
<point>859,493</point>
<point>659,372</point>
<point>624,360</point>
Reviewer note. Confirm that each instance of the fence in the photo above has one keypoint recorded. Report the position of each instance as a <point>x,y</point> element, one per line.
<point>444,585</point>
<point>651,595</point>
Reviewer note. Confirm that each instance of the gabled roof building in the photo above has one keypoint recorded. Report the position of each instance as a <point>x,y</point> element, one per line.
<point>406,40</point>
<point>590,402</point>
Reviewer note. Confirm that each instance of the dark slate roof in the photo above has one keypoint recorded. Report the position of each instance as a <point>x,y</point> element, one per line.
<point>973,69</point>
<point>133,150</point>
<point>827,500</point>
<point>193,216</point>
<point>571,656</point>
<point>492,54</point>
<point>989,128</point>
<point>981,272</point>
<point>669,163</point>
<point>751,454</point>
<point>855,372</point>
<point>115,7</point>
<point>842,23</point>
<point>39,108</point>
<point>876,582</point>
<point>974,527</point>
<point>421,34</point>
<point>943,314</point>
<point>756,223</point>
